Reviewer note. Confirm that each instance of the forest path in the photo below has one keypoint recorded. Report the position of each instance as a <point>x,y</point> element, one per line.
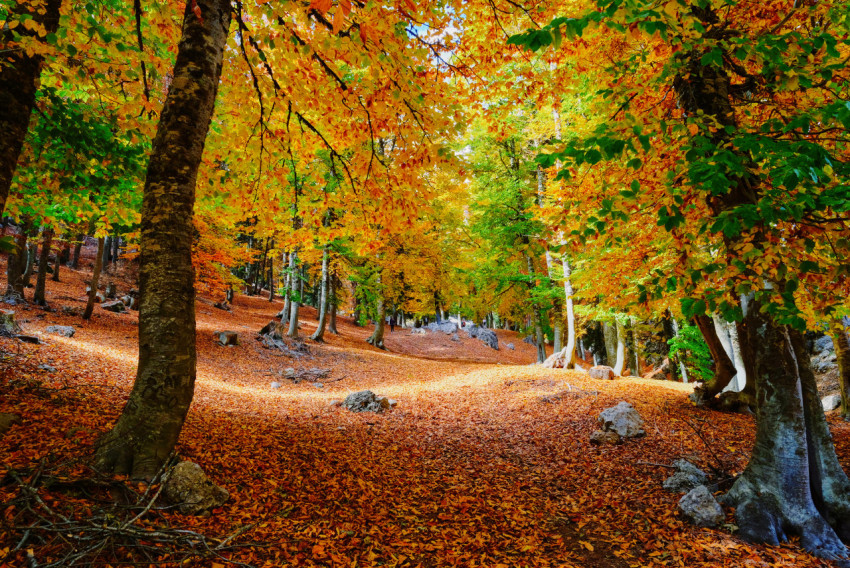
<point>481,464</point>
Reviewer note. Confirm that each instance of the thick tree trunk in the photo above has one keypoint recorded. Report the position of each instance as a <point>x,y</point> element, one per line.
<point>324,297</point>
<point>289,266</point>
<point>107,253</point>
<point>151,422</point>
<point>295,301</point>
<point>609,334</point>
<point>95,278</point>
<point>19,80</point>
<point>41,280</point>
<point>793,484</point>
<point>724,369</point>
<point>116,248</point>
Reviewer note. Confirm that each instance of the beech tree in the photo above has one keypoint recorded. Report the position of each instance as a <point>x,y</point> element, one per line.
<point>150,423</point>
<point>745,160</point>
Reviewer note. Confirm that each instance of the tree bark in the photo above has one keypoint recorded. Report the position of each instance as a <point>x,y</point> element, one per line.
<point>319,335</point>
<point>57,261</point>
<point>793,484</point>
<point>95,277</point>
<point>75,263</point>
<point>724,369</point>
<point>841,338</point>
<point>19,81</point>
<point>16,264</point>
<point>377,337</point>
<point>621,348</point>
<point>294,303</point>
<point>29,267</point>
<point>153,417</point>
<point>333,299</point>
<point>41,280</point>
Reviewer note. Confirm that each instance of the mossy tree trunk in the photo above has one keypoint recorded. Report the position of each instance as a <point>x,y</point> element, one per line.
<point>149,425</point>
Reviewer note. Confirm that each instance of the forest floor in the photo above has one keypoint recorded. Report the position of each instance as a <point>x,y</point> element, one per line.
<point>484,462</point>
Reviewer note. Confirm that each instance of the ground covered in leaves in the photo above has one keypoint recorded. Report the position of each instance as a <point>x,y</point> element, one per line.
<point>484,462</point>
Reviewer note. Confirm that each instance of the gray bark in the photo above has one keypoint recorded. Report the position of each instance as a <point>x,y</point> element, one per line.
<point>95,278</point>
<point>324,297</point>
<point>41,280</point>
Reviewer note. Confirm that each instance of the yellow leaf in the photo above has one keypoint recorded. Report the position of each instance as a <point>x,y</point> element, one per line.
<point>587,545</point>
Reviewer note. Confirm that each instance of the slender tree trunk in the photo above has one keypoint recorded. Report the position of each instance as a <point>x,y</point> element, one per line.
<point>107,253</point>
<point>19,82</point>
<point>151,422</point>
<point>841,338</point>
<point>609,334</point>
<point>57,262</point>
<point>271,279</point>
<point>16,265</point>
<point>95,278</point>
<point>287,286</point>
<point>294,303</point>
<point>324,297</point>
<point>41,280</point>
<point>724,370</point>
<point>377,337</point>
<point>793,484</point>
<point>75,263</point>
<point>116,249</point>
<point>32,254</point>
<point>621,347</point>
<point>333,301</point>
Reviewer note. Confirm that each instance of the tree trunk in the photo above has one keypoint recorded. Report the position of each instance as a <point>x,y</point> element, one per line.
<point>29,267</point>
<point>621,348</point>
<point>724,370</point>
<point>793,484</point>
<point>377,337</point>
<point>841,338</point>
<point>19,82</point>
<point>271,279</point>
<point>41,280</point>
<point>107,253</point>
<point>609,334</point>
<point>289,266</point>
<point>294,302</point>
<point>57,261</point>
<point>116,248</point>
<point>75,263</point>
<point>324,297</point>
<point>15,266</point>
<point>333,300</point>
<point>95,277</point>
<point>150,423</point>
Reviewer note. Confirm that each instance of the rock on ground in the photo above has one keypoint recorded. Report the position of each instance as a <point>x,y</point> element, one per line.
<point>701,508</point>
<point>455,337</point>
<point>622,419</point>
<point>823,344</point>
<point>116,306</point>
<point>189,487</point>
<point>226,337</point>
<point>418,331</point>
<point>601,437</point>
<point>687,477</point>
<point>447,327</point>
<point>603,372</point>
<point>63,330</point>
<point>831,402</point>
<point>510,346</point>
<point>488,336</point>
<point>472,331</point>
<point>364,401</point>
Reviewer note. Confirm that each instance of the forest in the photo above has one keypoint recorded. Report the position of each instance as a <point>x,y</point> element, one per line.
<point>493,283</point>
